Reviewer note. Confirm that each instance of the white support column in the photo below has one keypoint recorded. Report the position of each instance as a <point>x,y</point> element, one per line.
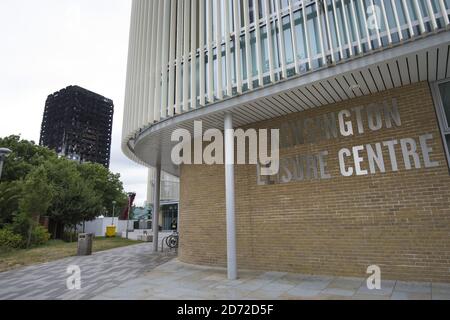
<point>156,203</point>
<point>229,195</point>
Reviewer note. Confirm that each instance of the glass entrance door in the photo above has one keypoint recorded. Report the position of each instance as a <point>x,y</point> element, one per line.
<point>170,214</point>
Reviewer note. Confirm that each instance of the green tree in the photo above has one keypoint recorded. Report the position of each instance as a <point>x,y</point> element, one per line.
<point>75,199</point>
<point>25,156</point>
<point>37,195</point>
<point>105,184</point>
<point>10,193</point>
<point>35,181</point>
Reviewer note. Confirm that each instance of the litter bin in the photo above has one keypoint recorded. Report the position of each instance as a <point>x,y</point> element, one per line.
<point>110,231</point>
<point>85,244</point>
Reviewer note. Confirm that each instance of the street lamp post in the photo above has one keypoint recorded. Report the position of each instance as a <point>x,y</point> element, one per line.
<point>128,215</point>
<point>114,207</point>
<point>131,196</point>
<point>4,152</point>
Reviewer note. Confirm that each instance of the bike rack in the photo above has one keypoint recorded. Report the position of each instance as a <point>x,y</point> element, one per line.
<point>164,240</point>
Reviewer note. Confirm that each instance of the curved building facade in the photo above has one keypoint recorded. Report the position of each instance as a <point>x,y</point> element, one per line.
<point>359,92</point>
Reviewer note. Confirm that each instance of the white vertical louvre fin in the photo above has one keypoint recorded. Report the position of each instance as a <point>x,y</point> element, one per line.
<point>293,36</point>
<point>386,22</point>
<point>237,44</point>
<point>419,15</point>
<point>172,55</point>
<point>408,17</point>
<point>347,28</point>
<point>157,71</point>
<point>444,12</point>
<point>375,20</point>
<point>187,49</point>
<point>228,57</point>
<point>218,24</point>
<point>305,28</point>
<point>431,15</point>
<point>356,26</point>
<point>269,40</point>
<point>327,22</point>
<point>179,82</point>
<point>248,52</point>
<point>281,46</point>
<point>336,22</point>
<point>201,40</point>
<point>165,57</point>
<point>193,54</point>
<point>397,20</point>
<point>258,45</point>
<point>369,40</point>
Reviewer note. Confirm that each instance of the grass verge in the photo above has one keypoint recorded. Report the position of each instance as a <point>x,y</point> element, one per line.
<point>54,250</point>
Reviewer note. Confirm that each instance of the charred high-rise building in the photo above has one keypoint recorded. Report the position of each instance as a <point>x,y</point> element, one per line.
<point>77,124</point>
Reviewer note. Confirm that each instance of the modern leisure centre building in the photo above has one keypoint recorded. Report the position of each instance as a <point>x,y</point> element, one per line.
<point>360,91</point>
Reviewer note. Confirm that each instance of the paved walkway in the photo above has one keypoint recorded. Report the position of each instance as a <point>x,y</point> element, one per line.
<point>176,280</point>
<point>100,272</point>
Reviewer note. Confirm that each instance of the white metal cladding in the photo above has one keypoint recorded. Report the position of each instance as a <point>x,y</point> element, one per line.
<point>189,54</point>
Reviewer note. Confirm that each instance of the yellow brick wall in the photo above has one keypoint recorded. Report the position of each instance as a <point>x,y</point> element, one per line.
<point>399,221</point>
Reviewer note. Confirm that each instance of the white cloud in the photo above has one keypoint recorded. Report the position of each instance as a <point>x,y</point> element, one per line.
<point>47,45</point>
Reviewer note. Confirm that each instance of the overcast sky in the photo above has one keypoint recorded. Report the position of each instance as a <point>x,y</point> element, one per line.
<point>47,45</point>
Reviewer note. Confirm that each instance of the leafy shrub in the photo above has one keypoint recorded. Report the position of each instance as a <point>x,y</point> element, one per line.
<point>39,236</point>
<point>10,240</point>
<point>70,236</point>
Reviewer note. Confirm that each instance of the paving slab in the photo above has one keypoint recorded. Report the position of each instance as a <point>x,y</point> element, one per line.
<point>101,272</point>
